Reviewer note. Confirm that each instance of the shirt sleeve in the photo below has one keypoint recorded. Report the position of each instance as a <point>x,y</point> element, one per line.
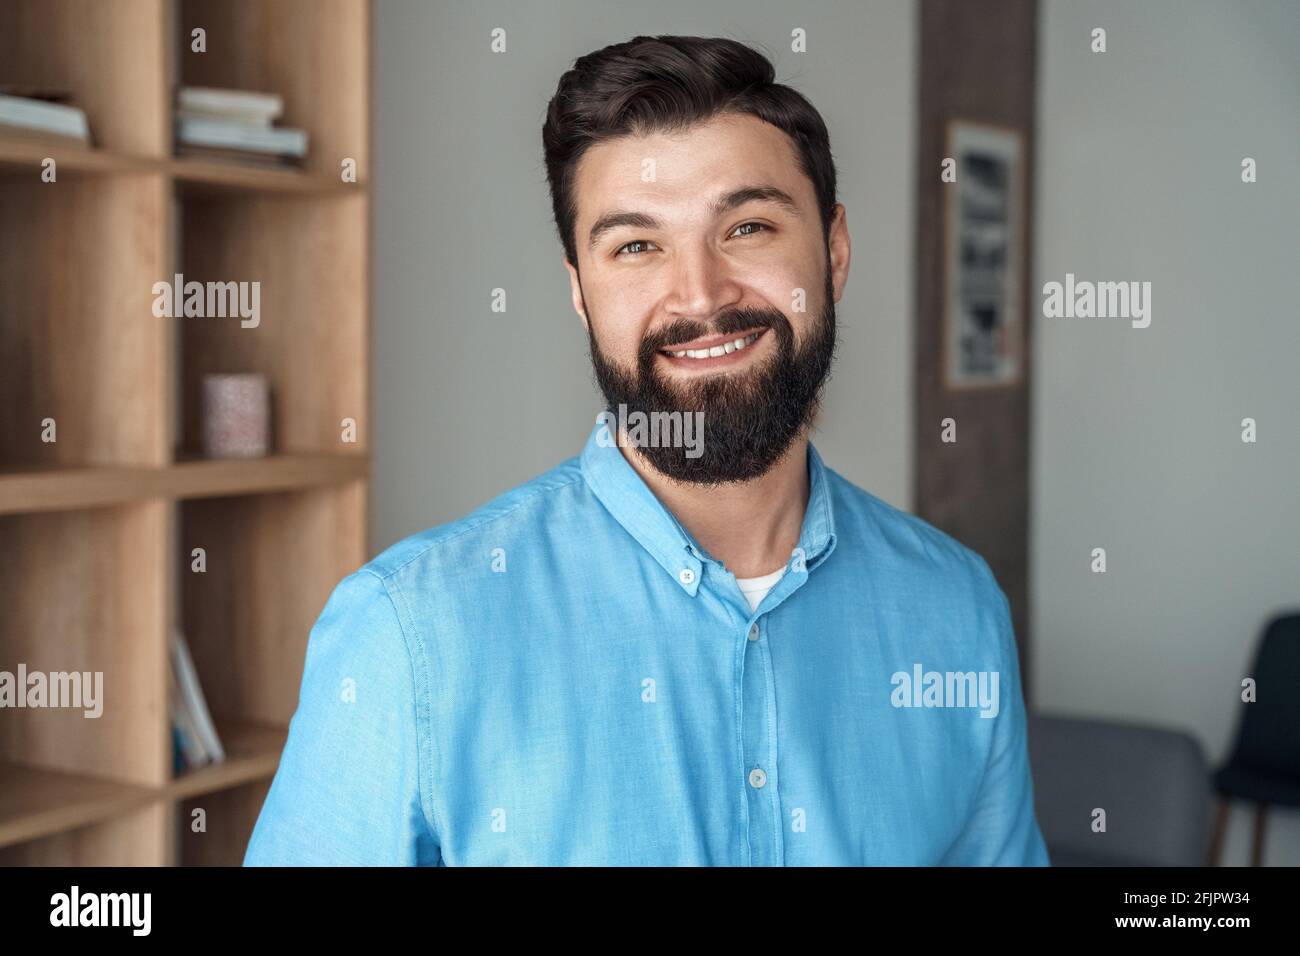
<point>1002,829</point>
<point>348,788</point>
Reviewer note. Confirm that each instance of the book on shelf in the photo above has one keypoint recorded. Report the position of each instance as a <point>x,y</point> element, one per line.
<point>188,750</point>
<point>235,125</point>
<point>257,109</point>
<point>230,135</point>
<point>194,735</point>
<point>256,122</point>
<point>27,115</point>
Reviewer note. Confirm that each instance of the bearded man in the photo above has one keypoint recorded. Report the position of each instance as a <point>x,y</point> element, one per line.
<point>672,652</point>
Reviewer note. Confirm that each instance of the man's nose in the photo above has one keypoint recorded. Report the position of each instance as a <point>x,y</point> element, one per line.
<point>702,283</point>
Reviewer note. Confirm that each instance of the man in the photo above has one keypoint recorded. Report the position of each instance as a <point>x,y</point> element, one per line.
<point>671,651</point>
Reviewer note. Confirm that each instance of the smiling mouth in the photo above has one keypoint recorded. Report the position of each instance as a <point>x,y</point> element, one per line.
<point>713,347</point>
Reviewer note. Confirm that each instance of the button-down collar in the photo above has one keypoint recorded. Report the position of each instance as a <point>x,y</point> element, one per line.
<point>629,499</point>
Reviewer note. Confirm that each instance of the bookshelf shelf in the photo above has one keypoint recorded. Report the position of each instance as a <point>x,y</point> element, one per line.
<point>36,489</point>
<point>19,156</point>
<point>203,177</point>
<point>43,488</point>
<point>211,479</point>
<point>35,802</point>
<point>252,754</point>
<point>97,528</point>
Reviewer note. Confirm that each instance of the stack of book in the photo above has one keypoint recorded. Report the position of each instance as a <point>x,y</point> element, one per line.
<point>30,112</point>
<point>194,737</point>
<point>235,125</point>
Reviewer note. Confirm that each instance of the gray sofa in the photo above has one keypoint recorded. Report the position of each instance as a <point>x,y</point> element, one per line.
<point>1153,783</point>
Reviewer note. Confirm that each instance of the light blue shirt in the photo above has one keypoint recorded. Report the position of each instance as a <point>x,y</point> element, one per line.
<point>565,677</point>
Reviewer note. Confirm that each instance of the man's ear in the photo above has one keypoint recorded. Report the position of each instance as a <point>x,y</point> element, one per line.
<point>841,250</point>
<point>575,290</point>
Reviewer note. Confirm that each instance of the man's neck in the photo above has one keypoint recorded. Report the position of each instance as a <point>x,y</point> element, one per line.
<point>750,526</point>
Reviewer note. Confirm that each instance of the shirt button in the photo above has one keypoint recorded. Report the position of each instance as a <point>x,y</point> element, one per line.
<point>757,778</point>
<point>753,632</point>
<point>686,576</point>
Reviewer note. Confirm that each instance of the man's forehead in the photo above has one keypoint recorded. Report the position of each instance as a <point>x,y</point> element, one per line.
<point>708,157</point>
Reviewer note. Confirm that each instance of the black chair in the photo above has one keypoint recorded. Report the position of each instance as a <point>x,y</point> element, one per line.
<point>1265,764</point>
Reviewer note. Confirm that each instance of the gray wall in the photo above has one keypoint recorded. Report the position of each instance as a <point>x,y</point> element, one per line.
<point>468,402</point>
<point>1136,437</point>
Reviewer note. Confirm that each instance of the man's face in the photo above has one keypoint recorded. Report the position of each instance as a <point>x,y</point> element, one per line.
<point>708,241</point>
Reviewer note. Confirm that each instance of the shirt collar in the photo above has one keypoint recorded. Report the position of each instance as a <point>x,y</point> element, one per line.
<point>629,499</point>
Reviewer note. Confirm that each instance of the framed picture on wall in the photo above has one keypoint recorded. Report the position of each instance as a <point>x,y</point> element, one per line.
<point>984,250</point>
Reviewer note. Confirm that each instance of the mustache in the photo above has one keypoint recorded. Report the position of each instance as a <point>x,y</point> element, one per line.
<point>687,330</point>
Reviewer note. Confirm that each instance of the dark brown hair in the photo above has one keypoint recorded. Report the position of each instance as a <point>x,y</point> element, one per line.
<point>667,83</point>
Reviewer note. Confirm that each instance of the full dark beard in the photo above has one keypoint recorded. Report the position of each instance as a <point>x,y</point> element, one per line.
<point>750,419</point>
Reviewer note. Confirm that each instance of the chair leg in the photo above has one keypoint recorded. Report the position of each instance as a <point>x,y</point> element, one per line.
<point>1257,849</point>
<point>1220,827</point>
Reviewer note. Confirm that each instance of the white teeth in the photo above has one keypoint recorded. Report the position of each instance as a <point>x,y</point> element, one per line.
<point>725,349</point>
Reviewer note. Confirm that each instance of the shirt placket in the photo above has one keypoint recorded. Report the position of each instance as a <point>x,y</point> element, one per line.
<point>759,746</point>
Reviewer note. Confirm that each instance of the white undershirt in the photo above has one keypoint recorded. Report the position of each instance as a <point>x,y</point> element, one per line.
<point>755,589</point>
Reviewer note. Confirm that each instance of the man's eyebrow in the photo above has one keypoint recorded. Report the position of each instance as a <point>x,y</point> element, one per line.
<point>738,197</point>
<point>732,200</point>
<point>612,220</point>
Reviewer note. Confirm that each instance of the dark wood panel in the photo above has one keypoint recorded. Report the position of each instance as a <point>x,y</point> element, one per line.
<point>977,63</point>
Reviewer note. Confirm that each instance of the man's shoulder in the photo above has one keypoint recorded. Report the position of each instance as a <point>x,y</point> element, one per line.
<point>521,509</point>
<point>901,540</point>
<point>920,565</point>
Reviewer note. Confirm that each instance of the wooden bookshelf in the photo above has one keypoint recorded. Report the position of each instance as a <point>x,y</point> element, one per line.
<point>97,528</point>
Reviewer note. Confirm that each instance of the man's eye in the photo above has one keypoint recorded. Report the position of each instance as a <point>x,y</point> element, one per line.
<point>630,248</point>
<point>638,246</point>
